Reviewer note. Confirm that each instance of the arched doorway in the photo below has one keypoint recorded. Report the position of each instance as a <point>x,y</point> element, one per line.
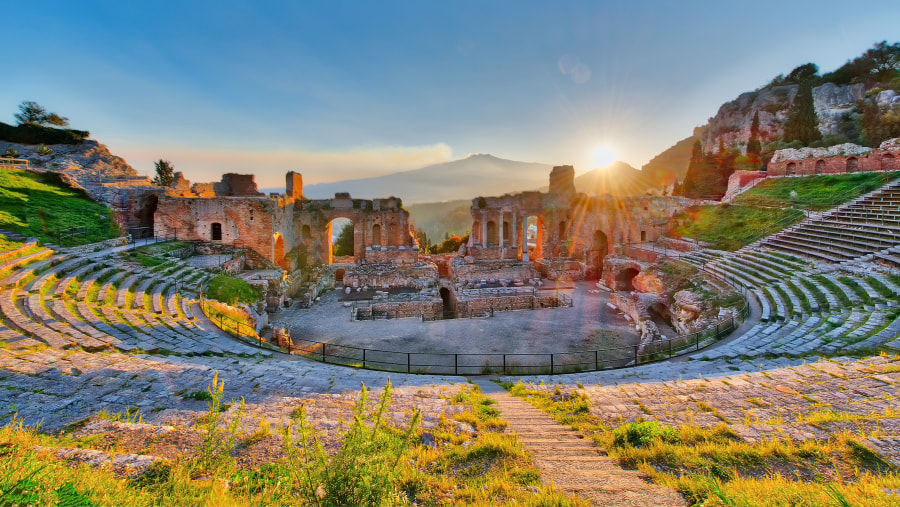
<point>145,212</point>
<point>215,231</point>
<point>791,168</point>
<point>507,233</point>
<point>820,166</point>
<point>339,276</point>
<point>278,252</point>
<point>624,279</point>
<point>888,163</point>
<point>449,303</point>
<point>340,233</point>
<point>534,237</point>
<point>376,235</point>
<point>852,164</point>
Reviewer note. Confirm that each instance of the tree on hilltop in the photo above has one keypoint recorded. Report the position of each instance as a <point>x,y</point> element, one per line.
<point>32,112</point>
<point>165,173</point>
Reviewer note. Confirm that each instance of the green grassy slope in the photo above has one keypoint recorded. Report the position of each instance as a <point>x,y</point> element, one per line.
<point>40,205</point>
<point>770,206</point>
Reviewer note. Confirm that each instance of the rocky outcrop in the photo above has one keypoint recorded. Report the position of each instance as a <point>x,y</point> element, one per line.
<point>731,123</point>
<point>85,162</point>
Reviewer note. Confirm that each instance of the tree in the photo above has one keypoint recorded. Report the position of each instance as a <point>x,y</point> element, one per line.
<point>32,112</point>
<point>754,147</point>
<point>802,123</point>
<point>872,129</point>
<point>165,173</point>
<point>344,243</point>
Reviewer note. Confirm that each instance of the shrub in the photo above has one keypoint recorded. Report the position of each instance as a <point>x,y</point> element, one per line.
<point>32,133</point>
<point>640,434</point>
<point>232,291</point>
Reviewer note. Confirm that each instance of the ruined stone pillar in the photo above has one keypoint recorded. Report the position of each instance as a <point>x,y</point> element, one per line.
<point>514,231</point>
<point>524,240</point>
<point>484,229</point>
<point>500,228</point>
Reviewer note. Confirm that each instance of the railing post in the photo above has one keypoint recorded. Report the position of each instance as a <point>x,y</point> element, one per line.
<point>635,354</point>
<point>551,364</point>
<point>456,364</point>
<point>670,347</point>
<point>323,352</point>
<point>596,360</point>
<point>408,365</point>
<point>364,358</point>
<point>504,364</point>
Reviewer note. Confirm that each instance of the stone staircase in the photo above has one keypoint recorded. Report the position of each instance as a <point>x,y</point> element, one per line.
<point>573,464</point>
<point>866,226</point>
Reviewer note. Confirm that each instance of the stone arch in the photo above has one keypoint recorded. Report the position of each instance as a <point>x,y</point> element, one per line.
<point>852,164</point>
<point>346,250</point>
<point>215,231</point>
<point>625,277</point>
<point>888,163</point>
<point>820,166</point>
<point>534,237</point>
<point>278,252</point>
<point>492,238</point>
<point>600,242</point>
<point>791,168</point>
<point>376,234</point>
<point>475,234</point>
<point>507,233</point>
<point>339,275</point>
<point>145,212</point>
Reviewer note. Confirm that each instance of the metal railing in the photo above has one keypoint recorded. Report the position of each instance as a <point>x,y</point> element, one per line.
<point>13,163</point>
<point>512,363</point>
<point>235,327</point>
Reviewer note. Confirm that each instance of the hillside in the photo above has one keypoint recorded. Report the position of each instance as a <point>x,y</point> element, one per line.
<point>671,164</point>
<point>618,179</point>
<point>477,174</point>
<point>440,218</point>
<point>40,205</point>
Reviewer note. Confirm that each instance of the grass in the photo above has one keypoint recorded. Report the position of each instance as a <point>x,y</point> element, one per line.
<point>7,244</point>
<point>731,226</point>
<point>856,288</point>
<point>714,467</point>
<point>231,290</point>
<point>834,289</point>
<point>375,462</point>
<point>817,191</point>
<point>40,205</point>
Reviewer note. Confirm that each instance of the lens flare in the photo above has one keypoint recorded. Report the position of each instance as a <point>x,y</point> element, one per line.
<point>603,156</point>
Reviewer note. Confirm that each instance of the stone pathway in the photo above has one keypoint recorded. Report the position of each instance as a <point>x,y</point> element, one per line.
<point>573,464</point>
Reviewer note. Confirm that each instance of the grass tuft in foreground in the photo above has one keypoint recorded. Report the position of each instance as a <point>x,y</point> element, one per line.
<point>714,467</point>
<point>375,463</point>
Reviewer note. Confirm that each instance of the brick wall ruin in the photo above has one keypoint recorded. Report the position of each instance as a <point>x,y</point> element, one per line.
<point>563,224</point>
<point>845,158</point>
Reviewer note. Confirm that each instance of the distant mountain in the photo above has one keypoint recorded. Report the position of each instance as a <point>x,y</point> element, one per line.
<point>467,178</point>
<point>619,179</point>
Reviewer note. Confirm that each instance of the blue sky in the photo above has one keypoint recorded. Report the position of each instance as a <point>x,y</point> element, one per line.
<point>350,89</point>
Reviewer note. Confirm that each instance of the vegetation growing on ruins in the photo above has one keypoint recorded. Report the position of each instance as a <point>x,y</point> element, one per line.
<point>815,192</point>
<point>165,173</point>
<point>343,245</point>
<point>375,462</point>
<point>231,290</point>
<point>713,467</point>
<point>41,205</point>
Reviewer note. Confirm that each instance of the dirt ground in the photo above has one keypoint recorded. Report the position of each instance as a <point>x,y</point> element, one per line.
<point>589,325</point>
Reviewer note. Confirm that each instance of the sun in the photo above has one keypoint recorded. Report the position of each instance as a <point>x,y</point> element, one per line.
<point>603,156</point>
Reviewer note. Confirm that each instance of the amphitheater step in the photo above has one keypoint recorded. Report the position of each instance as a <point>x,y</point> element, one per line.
<point>574,464</point>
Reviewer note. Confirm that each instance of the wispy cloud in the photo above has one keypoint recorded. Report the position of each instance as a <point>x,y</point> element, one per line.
<point>207,164</point>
